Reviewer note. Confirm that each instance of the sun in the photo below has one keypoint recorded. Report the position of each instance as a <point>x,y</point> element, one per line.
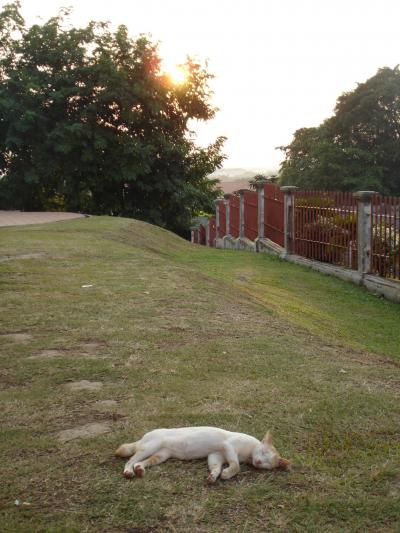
<point>177,74</point>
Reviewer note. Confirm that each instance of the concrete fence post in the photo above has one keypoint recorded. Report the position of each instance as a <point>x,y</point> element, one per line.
<point>364,231</point>
<point>242,228</point>
<point>192,236</point>
<point>217,218</point>
<point>288,191</point>
<point>207,228</point>
<point>227,214</point>
<point>260,194</point>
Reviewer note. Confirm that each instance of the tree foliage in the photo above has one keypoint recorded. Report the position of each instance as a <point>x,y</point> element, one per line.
<point>89,122</point>
<point>357,148</point>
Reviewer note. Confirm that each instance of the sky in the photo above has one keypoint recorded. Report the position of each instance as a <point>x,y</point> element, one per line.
<point>279,65</point>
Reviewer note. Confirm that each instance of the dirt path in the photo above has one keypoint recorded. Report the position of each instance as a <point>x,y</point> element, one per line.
<point>19,218</point>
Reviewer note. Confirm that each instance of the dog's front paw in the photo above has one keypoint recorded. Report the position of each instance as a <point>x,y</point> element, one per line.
<point>211,478</point>
<point>139,471</point>
<point>129,474</point>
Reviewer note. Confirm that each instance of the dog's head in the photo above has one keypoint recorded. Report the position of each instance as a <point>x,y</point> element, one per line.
<point>265,456</point>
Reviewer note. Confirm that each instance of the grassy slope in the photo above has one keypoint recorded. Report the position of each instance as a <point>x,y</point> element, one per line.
<point>183,335</point>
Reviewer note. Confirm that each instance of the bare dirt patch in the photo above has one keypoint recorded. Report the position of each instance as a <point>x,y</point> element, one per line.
<point>83,432</point>
<point>44,354</point>
<point>93,349</point>
<point>54,353</point>
<point>84,385</point>
<point>5,258</point>
<point>105,405</point>
<point>91,346</point>
<point>17,337</point>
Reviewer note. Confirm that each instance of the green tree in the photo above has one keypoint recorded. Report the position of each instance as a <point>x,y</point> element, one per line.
<point>357,148</point>
<point>89,122</point>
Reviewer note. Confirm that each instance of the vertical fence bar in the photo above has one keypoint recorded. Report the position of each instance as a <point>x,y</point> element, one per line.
<point>396,240</point>
<point>320,198</point>
<point>343,234</point>
<point>374,232</point>
<point>309,223</point>
<point>376,235</point>
<point>347,239</point>
<point>241,214</point>
<point>383,240</point>
<point>335,226</point>
<point>389,237</point>
<point>306,213</point>
<point>329,211</point>
<point>319,226</point>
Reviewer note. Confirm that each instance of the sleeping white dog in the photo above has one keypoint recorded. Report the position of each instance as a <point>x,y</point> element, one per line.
<point>219,446</point>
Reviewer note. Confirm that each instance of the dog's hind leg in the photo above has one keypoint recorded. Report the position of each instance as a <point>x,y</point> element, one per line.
<point>215,463</point>
<point>142,452</point>
<point>127,450</point>
<point>159,457</point>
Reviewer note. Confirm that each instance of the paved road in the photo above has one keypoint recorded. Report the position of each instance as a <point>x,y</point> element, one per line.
<point>20,218</point>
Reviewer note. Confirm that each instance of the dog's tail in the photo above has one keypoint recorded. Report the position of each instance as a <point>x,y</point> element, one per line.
<point>126,450</point>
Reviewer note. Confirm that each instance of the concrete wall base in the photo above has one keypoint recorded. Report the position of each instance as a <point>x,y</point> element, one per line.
<point>245,244</point>
<point>268,246</point>
<point>383,287</point>
<point>326,268</point>
<point>229,242</point>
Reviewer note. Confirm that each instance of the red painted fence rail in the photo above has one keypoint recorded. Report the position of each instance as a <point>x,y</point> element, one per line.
<point>222,218</point>
<point>234,216</point>
<point>250,199</point>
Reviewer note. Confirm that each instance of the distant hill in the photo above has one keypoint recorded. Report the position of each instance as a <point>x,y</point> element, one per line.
<point>233,179</point>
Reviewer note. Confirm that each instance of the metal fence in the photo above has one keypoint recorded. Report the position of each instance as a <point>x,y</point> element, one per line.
<point>385,241</point>
<point>325,227</point>
<point>322,225</point>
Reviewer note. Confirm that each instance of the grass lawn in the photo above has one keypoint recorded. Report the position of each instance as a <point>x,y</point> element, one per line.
<point>173,334</point>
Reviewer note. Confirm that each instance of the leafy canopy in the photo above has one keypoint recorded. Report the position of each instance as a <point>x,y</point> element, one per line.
<point>357,148</point>
<point>89,122</point>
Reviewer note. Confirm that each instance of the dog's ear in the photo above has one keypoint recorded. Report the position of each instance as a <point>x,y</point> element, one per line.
<point>268,438</point>
<point>284,464</point>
